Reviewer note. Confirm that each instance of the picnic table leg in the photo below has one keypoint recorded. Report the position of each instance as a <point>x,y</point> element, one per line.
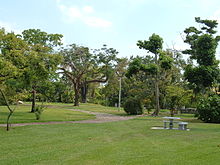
<point>165,125</point>
<point>171,123</point>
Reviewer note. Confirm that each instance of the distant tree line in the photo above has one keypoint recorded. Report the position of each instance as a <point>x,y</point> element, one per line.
<point>34,66</point>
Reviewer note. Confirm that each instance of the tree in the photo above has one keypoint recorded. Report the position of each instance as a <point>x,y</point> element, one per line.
<point>12,60</point>
<point>12,55</point>
<point>209,109</point>
<point>82,67</point>
<point>76,62</point>
<point>42,59</point>
<point>153,45</point>
<point>141,80</point>
<point>105,59</point>
<point>177,97</point>
<point>203,44</point>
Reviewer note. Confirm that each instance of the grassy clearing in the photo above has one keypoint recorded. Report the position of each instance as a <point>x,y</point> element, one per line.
<point>52,113</point>
<point>100,108</point>
<point>88,107</point>
<point>126,143</point>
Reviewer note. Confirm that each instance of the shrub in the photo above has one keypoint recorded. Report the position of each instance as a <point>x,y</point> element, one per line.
<point>133,106</point>
<point>209,109</point>
<point>38,111</point>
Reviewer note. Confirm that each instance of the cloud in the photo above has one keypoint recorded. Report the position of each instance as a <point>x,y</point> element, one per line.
<point>97,22</point>
<point>70,13</point>
<point>84,14</point>
<point>88,9</point>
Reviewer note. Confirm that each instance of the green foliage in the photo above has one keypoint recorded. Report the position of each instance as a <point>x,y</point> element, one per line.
<point>133,106</point>
<point>165,60</point>
<point>12,55</point>
<point>38,111</point>
<point>201,76</point>
<point>38,37</point>
<point>151,68</point>
<point>137,65</point>
<point>42,61</point>
<point>134,67</point>
<point>208,25</point>
<point>209,109</point>
<point>153,45</point>
<point>205,50</point>
<point>203,45</point>
<point>177,96</point>
<point>81,67</point>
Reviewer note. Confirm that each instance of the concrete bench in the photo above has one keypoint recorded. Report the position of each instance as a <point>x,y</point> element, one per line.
<point>183,125</point>
<point>167,123</point>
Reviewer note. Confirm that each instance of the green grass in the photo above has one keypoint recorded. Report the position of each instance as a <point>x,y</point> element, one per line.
<point>89,107</point>
<point>129,142</point>
<point>101,109</point>
<point>52,113</point>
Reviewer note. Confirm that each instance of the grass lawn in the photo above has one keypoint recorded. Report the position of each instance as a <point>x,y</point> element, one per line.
<point>51,113</point>
<point>100,108</point>
<point>129,142</point>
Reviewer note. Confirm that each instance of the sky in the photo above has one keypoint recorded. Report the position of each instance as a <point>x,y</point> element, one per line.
<point>117,23</point>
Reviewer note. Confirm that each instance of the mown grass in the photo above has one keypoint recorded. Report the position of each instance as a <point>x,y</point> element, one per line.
<point>88,107</point>
<point>51,113</point>
<point>100,108</point>
<point>129,142</point>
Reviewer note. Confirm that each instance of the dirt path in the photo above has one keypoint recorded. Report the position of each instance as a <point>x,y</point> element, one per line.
<point>100,118</point>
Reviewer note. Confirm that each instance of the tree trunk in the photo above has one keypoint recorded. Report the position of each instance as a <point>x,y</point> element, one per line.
<point>33,100</point>
<point>84,90</point>
<point>157,95</point>
<point>119,94</point>
<point>93,93</point>
<point>11,111</point>
<point>157,106</point>
<point>76,99</point>
<point>60,98</point>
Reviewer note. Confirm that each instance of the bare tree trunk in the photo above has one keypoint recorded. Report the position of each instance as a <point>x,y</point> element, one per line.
<point>157,108</point>
<point>11,111</point>
<point>119,94</point>
<point>33,100</point>
<point>157,94</point>
<point>8,118</point>
<point>84,90</point>
<point>76,99</point>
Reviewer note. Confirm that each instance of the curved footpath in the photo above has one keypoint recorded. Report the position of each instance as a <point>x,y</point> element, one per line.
<point>100,118</point>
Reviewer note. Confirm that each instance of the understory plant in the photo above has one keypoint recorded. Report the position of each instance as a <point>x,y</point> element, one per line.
<point>133,106</point>
<point>209,109</point>
<point>38,111</point>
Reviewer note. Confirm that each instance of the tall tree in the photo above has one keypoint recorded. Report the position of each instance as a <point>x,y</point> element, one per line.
<point>12,60</point>
<point>105,59</point>
<point>42,59</point>
<point>203,44</point>
<point>153,45</point>
<point>82,67</point>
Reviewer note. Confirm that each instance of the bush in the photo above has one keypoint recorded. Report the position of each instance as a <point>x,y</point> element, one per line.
<point>133,106</point>
<point>38,111</point>
<point>209,109</point>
